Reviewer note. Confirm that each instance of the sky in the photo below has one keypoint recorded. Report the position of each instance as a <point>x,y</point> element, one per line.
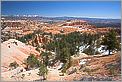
<point>93,9</point>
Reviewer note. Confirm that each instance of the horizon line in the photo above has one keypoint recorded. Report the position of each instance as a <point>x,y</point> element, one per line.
<point>59,16</point>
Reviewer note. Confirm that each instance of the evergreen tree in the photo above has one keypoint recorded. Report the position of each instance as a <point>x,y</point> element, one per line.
<point>111,41</point>
<point>32,61</point>
<point>43,71</point>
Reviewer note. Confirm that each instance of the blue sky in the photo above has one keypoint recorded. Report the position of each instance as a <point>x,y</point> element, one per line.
<point>104,9</point>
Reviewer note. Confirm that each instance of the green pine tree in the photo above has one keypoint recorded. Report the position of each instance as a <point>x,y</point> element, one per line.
<point>111,41</point>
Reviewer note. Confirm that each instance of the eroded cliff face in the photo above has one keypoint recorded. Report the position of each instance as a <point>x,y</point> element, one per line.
<point>14,50</point>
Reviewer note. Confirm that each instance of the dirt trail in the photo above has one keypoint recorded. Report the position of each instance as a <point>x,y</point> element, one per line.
<point>53,75</point>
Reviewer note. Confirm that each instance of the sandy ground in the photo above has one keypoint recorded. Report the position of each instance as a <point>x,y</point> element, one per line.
<point>53,75</point>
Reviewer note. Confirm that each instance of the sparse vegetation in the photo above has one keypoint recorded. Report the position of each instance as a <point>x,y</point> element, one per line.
<point>87,70</point>
<point>13,65</point>
<point>112,68</point>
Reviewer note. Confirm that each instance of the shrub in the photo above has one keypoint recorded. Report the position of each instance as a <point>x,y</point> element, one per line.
<point>43,71</point>
<point>23,75</point>
<point>38,48</point>
<point>112,69</point>
<point>32,61</point>
<point>89,51</point>
<point>14,65</point>
<point>87,70</point>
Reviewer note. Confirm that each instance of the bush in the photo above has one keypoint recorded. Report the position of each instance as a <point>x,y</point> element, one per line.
<point>110,40</point>
<point>65,67</point>
<point>23,75</point>
<point>14,65</point>
<point>112,69</point>
<point>87,70</point>
<point>38,48</point>
<point>43,71</point>
<point>32,61</point>
<point>89,51</point>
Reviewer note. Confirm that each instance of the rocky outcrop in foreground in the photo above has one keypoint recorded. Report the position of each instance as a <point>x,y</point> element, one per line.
<point>14,50</point>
